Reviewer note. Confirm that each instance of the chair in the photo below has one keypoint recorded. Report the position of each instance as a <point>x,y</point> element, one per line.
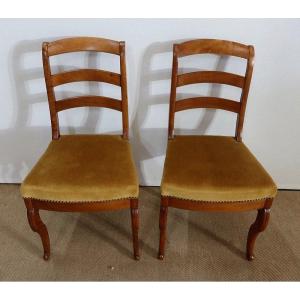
<point>83,173</point>
<point>213,173</point>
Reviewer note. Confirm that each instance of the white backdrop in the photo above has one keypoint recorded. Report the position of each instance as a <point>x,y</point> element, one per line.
<point>271,128</point>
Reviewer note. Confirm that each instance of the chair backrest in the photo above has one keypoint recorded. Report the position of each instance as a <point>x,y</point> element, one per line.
<point>52,80</point>
<point>218,47</point>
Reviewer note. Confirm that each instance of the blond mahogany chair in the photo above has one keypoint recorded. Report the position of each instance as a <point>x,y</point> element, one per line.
<point>81,173</point>
<point>213,173</point>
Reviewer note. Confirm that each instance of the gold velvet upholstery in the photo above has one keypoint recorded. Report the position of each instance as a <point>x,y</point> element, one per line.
<point>214,168</point>
<point>79,168</point>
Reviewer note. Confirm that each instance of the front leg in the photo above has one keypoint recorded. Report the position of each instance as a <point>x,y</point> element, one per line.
<point>38,226</point>
<point>258,226</point>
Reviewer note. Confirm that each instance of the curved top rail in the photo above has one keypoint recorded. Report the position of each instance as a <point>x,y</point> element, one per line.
<point>76,44</point>
<point>220,47</point>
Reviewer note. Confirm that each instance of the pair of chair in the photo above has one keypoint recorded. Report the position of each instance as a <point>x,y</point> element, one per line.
<point>97,172</point>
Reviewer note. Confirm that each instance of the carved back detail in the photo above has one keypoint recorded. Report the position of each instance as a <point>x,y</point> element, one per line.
<point>211,46</point>
<point>52,80</point>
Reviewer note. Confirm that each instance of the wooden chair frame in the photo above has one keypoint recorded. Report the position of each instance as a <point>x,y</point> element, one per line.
<point>218,47</point>
<point>74,45</point>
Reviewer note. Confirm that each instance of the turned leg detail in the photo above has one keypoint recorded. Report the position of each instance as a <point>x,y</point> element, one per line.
<point>135,228</point>
<point>38,226</point>
<point>260,224</point>
<point>163,227</point>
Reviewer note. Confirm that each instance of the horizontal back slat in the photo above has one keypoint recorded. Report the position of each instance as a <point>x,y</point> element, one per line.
<point>83,44</point>
<point>86,75</point>
<point>210,77</point>
<point>207,102</point>
<point>219,47</point>
<point>96,101</point>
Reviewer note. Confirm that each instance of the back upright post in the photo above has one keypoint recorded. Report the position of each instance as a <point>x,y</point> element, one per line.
<point>124,90</point>
<point>50,93</point>
<point>244,95</point>
<point>173,93</point>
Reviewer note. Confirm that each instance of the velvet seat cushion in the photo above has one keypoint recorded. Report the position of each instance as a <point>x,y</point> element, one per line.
<point>214,168</point>
<point>80,168</point>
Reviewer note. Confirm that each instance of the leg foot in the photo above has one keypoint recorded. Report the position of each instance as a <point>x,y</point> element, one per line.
<point>250,257</point>
<point>38,226</point>
<point>163,227</point>
<point>160,256</point>
<point>46,256</point>
<point>135,228</point>
<point>258,226</point>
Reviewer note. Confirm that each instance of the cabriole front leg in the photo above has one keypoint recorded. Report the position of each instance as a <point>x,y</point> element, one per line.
<point>38,226</point>
<point>260,224</point>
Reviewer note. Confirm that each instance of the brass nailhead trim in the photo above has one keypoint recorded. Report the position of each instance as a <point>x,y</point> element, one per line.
<point>79,202</point>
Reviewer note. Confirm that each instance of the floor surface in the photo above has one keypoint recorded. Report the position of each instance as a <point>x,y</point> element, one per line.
<point>97,246</point>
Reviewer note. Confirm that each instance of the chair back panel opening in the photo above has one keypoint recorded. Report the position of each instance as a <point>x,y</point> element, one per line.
<point>52,80</point>
<point>217,47</point>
